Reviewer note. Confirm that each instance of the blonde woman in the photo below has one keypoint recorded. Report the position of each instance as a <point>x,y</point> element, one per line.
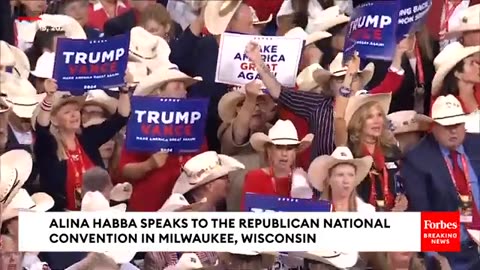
<point>67,149</point>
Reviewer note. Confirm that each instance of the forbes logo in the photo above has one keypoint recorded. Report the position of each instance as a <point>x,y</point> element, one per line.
<point>440,231</point>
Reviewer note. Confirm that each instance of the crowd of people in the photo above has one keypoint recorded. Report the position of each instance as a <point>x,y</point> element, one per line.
<point>370,135</point>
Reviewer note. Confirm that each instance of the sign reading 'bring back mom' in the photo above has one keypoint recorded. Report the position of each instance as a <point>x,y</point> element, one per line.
<point>280,54</point>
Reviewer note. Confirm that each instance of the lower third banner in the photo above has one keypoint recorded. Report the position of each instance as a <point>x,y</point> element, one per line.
<point>169,125</point>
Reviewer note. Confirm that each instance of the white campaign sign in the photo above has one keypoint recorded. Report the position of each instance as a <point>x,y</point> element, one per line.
<point>280,54</point>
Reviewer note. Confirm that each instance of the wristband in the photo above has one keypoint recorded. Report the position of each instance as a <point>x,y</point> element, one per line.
<point>345,91</point>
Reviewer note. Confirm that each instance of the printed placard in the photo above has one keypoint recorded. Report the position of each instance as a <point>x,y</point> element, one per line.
<point>82,65</point>
<point>261,203</point>
<point>169,125</point>
<point>280,54</point>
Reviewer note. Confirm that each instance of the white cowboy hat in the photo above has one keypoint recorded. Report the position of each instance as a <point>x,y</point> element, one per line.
<point>22,64</point>
<point>475,235</point>
<point>282,133</point>
<point>174,202</point>
<point>138,70</point>
<point>188,261</point>
<point>298,32</point>
<point>160,77</point>
<point>204,168</point>
<point>69,25</point>
<point>121,192</point>
<point>218,15</point>
<point>38,202</point>
<point>450,56</point>
<point>337,69</point>
<point>329,18</point>
<point>447,111</point>
<point>7,59</point>
<point>147,48</point>
<point>94,201</point>
<point>407,121</point>
<point>99,98</point>
<point>256,20</point>
<point>340,260</point>
<point>44,66</point>
<point>15,166</point>
<point>310,79</point>
<point>318,170</point>
<point>361,98</point>
<point>4,105</point>
<point>470,21</point>
<point>21,95</point>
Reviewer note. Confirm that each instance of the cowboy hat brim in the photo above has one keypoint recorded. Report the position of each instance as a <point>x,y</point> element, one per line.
<point>152,81</point>
<point>7,58</point>
<point>447,121</point>
<point>320,166</point>
<point>444,69</point>
<point>331,22</point>
<point>43,203</point>
<point>356,102</point>
<point>184,183</point>
<point>270,17</point>
<point>258,141</point>
<point>25,107</point>
<point>120,257</point>
<point>365,74</point>
<point>312,77</point>
<point>337,259</point>
<point>110,104</point>
<point>218,15</point>
<point>475,235</point>
<point>22,64</point>
<point>22,163</point>
<point>227,106</point>
<point>68,99</point>
<point>316,36</point>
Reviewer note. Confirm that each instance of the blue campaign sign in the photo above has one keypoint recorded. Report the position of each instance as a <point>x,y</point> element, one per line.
<point>376,27</point>
<point>262,203</point>
<point>170,125</point>
<point>82,65</point>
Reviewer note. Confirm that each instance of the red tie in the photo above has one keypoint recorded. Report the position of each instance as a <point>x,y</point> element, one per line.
<point>459,175</point>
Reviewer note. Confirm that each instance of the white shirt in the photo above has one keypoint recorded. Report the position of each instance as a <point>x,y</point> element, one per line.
<point>454,20</point>
<point>24,138</point>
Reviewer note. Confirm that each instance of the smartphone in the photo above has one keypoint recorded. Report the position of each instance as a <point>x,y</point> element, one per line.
<point>399,188</point>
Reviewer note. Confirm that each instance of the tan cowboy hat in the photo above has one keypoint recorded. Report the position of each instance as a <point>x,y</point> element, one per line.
<point>16,167</point>
<point>282,133</point>
<point>337,69</point>
<point>21,95</point>
<point>44,66</point>
<point>7,59</point>
<point>138,70</point>
<point>121,192</point>
<point>407,121</point>
<point>38,202</point>
<point>340,260</point>
<point>174,202</point>
<point>204,168</point>
<point>298,32</point>
<point>218,15</point>
<point>320,166</point>
<point>146,48</point>
<point>361,98</point>
<point>450,56</point>
<point>447,111</point>
<point>469,22</point>
<point>69,25</point>
<point>188,261</point>
<point>94,201</point>
<point>101,99</point>
<point>162,76</point>
<point>256,20</point>
<point>329,18</point>
<point>311,77</point>
<point>64,97</point>
<point>227,106</point>
<point>94,121</point>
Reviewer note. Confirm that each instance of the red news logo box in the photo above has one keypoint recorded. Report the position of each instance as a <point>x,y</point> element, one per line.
<point>440,231</point>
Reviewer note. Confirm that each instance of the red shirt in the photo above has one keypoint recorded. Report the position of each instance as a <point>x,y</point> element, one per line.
<point>77,163</point>
<point>476,93</point>
<point>263,8</point>
<point>151,192</point>
<point>260,182</point>
<point>97,16</point>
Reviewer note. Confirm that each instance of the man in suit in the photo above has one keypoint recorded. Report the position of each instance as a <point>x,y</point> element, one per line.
<point>441,174</point>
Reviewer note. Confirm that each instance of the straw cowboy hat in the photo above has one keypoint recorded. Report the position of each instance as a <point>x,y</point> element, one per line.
<point>329,18</point>
<point>469,22</point>
<point>15,167</point>
<point>337,69</point>
<point>147,48</point>
<point>361,98</point>
<point>256,20</point>
<point>340,260</point>
<point>218,15</point>
<point>121,192</point>
<point>64,97</point>
<point>447,111</point>
<point>203,169</point>
<point>99,98</point>
<point>311,77</point>
<point>450,56</point>
<point>407,121</point>
<point>22,96</point>
<point>44,66</point>
<point>298,32</point>
<point>162,76</point>
<point>320,166</point>
<point>38,202</point>
<point>66,23</point>
<point>174,202</point>
<point>282,133</point>
<point>7,59</point>
<point>138,70</point>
